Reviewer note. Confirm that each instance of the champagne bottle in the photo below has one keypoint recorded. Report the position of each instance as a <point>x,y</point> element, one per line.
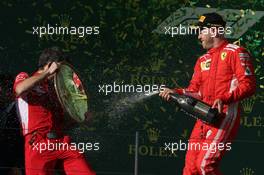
<point>196,108</point>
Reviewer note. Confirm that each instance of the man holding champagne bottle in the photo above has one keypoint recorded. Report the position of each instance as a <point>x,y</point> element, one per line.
<point>222,77</point>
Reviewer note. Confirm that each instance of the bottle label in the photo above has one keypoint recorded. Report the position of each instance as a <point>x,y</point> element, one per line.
<point>201,108</point>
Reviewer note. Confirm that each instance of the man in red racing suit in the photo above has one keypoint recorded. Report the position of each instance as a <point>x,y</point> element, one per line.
<point>41,118</point>
<point>222,77</point>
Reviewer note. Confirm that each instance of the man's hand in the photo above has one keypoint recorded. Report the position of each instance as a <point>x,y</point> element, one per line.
<point>165,94</point>
<point>52,67</point>
<point>218,104</point>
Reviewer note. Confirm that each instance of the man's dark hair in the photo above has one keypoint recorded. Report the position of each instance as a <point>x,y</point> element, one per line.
<point>51,55</point>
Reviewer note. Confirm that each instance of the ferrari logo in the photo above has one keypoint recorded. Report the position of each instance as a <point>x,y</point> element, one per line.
<point>223,56</point>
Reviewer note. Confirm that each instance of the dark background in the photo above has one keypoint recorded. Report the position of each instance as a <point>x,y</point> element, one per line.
<point>127,50</point>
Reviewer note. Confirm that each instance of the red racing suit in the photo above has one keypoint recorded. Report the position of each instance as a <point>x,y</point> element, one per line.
<point>40,113</point>
<point>224,73</point>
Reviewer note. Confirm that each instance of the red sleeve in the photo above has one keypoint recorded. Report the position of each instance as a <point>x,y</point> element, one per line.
<point>243,69</point>
<point>19,78</point>
<point>195,82</point>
